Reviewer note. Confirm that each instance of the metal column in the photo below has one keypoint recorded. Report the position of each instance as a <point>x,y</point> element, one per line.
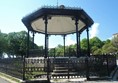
<point>33,39</point>
<point>79,47</point>
<point>88,54</point>
<point>76,23</point>
<point>28,44</point>
<point>46,35</point>
<point>46,47</point>
<point>23,68</point>
<point>88,45</point>
<point>64,44</point>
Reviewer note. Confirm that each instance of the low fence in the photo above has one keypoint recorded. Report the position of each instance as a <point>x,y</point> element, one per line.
<point>39,68</point>
<point>12,66</point>
<point>103,65</point>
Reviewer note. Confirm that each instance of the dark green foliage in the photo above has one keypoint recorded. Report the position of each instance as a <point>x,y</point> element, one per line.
<point>115,42</point>
<point>108,48</point>
<point>15,43</point>
<point>97,47</point>
<point>3,43</point>
<point>96,42</point>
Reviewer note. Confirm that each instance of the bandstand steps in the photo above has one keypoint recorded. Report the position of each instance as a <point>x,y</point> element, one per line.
<point>63,68</point>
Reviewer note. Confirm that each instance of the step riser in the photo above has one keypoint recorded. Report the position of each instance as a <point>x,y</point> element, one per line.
<point>64,74</point>
<point>63,68</point>
<point>57,71</point>
<point>60,71</point>
<point>63,65</point>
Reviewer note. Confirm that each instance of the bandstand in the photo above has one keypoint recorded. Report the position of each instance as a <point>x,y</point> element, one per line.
<point>58,21</point>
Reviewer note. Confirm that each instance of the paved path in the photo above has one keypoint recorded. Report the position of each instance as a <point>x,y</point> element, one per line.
<point>100,82</point>
<point>3,81</point>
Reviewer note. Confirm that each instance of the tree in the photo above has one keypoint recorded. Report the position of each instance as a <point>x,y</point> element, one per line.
<point>71,50</point>
<point>17,43</point>
<point>52,52</point>
<point>59,50</point>
<point>115,42</point>
<point>94,49</point>
<point>3,43</point>
<point>95,45</point>
<point>97,52</point>
<point>108,48</point>
<point>84,44</point>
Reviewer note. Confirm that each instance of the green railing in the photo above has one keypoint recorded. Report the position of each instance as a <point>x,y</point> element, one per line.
<point>40,68</point>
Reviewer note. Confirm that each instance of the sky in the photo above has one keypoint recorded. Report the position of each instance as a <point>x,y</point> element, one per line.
<point>103,12</point>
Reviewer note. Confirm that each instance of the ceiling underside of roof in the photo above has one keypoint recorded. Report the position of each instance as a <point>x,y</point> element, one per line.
<point>57,25</point>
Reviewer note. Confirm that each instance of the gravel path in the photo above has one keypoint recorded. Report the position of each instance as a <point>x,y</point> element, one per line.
<point>3,81</point>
